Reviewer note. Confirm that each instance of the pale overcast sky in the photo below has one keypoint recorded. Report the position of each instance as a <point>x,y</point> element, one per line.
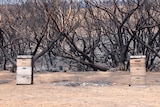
<point>16,1</point>
<point>10,1</point>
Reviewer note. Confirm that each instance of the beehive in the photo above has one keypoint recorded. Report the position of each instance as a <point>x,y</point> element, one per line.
<point>138,70</point>
<point>24,62</point>
<point>24,69</point>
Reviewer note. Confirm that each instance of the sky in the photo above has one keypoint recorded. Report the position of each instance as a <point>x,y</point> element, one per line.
<point>16,1</point>
<point>10,1</point>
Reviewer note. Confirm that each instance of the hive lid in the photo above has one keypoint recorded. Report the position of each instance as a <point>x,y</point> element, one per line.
<point>24,56</point>
<point>138,56</point>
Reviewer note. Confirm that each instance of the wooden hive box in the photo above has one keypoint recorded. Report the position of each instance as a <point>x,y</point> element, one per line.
<point>24,69</point>
<point>137,66</point>
<point>24,61</point>
<point>140,62</point>
<point>138,70</point>
<point>24,79</point>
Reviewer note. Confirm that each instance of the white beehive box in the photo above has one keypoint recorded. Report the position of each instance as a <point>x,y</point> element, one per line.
<point>138,70</point>
<point>24,69</point>
<point>24,62</point>
<point>24,79</point>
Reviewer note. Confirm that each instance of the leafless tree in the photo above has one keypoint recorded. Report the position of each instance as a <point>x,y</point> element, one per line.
<point>129,26</point>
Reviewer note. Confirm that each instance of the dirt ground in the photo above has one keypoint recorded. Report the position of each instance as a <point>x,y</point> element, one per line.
<point>90,89</point>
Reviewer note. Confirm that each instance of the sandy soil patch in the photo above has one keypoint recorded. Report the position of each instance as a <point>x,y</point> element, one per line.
<point>45,93</point>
